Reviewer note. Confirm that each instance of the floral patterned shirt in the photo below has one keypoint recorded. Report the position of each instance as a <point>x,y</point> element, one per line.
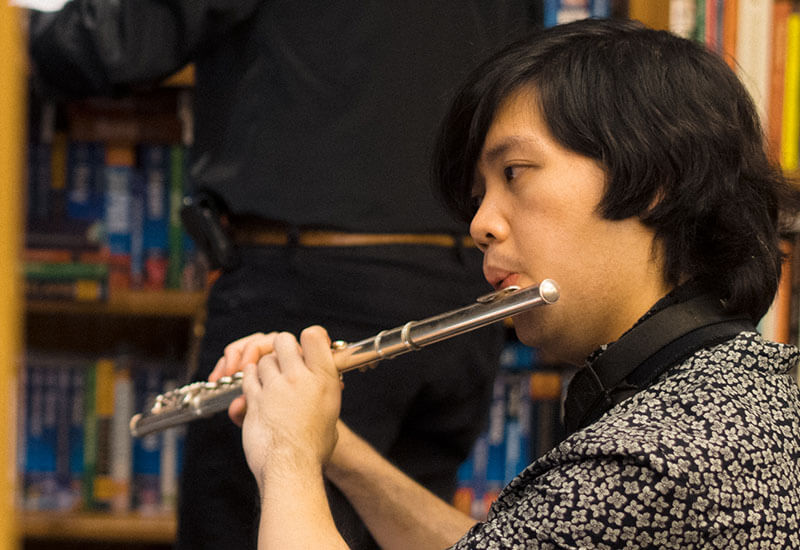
<point>706,457</point>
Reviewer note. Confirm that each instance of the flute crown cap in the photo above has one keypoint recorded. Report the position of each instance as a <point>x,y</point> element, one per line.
<point>549,291</point>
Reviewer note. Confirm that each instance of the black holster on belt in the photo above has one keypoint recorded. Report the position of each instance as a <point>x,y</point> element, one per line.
<point>204,218</point>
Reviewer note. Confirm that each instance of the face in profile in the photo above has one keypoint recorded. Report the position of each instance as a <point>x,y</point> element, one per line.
<point>538,218</point>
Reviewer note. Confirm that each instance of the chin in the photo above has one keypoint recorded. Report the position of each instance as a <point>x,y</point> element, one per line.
<point>528,330</point>
<point>533,331</point>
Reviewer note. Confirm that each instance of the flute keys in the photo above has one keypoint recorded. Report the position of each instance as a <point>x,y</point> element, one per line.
<point>368,366</point>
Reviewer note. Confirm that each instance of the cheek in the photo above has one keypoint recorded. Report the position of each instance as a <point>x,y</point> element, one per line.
<point>568,255</point>
<point>557,238</point>
<point>558,230</point>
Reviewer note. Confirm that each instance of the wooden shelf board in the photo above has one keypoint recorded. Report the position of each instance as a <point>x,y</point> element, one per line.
<point>97,526</point>
<point>156,303</point>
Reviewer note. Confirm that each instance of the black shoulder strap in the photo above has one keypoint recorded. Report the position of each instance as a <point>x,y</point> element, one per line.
<point>646,351</point>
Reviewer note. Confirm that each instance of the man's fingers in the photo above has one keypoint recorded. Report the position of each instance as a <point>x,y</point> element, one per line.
<point>240,352</point>
<point>285,357</point>
<point>317,350</point>
<point>255,347</point>
<point>251,385</point>
<point>233,351</point>
<point>219,370</point>
<point>288,354</point>
<point>237,410</point>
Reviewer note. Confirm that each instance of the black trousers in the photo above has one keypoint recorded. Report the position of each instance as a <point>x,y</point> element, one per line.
<point>422,410</point>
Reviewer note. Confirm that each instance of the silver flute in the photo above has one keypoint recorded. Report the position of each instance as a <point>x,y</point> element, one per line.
<point>201,399</point>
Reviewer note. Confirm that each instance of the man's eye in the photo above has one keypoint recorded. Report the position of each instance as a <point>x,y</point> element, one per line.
<point>510,172</point>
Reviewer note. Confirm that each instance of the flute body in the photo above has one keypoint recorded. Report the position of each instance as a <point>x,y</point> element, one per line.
<point>201,399</point>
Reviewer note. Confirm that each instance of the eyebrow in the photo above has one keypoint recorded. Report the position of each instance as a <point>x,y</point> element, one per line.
<point>509,143</point>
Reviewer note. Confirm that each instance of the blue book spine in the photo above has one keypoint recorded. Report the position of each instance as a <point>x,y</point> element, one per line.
<point>496,459</point>
<point>196,267</point>
<point>525,416</point>
<point>147,449</point>
<point>557,12</point>
<point>480,460</point>
<point>117,209</point>
<point>516,356</point>
<point>41,483</point>
<point>551,9</point>
<point>512,428</point>
<point>85,162</point>
<point>600,8</point>
<point>517,425</point>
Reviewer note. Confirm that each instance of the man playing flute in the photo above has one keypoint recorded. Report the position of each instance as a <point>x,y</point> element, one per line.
<point>628,165</point>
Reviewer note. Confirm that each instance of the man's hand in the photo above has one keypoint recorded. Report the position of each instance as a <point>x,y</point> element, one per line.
<point>293,399</point>
<point>237,354</point>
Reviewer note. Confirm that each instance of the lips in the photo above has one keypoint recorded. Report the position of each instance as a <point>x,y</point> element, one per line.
<point>500,278</point>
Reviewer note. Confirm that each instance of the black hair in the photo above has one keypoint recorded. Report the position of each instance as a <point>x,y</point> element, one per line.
<point>674,129</point>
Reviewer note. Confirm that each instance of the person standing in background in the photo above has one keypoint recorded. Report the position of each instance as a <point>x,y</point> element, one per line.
<point>314,123</point>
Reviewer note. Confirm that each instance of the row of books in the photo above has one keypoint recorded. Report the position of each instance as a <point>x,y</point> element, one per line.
<point>75,448</point>
<point>119,226</point>
<point>103,209</point>
<point>76,451</point>
<point>760,39</point>
<point>525,422</point>
<point>556,12</point>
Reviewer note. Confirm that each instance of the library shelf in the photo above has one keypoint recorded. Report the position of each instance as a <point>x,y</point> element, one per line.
<point>155,303</point>
<point>97,526</point>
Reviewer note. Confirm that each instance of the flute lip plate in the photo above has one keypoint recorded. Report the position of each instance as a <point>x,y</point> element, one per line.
<point>549,291</point>
<point>492,296</point>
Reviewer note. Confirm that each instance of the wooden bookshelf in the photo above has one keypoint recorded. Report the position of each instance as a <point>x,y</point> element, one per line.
<point>105,527</point>
<point>158,327</point>
<point>137,303</point>
<point>165,323</point>
<point>12,139</point>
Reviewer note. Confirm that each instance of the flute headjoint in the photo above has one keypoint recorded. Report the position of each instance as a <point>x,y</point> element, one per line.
<point>492,296</point>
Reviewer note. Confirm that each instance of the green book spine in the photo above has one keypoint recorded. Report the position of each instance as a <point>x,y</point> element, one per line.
<point>65,270</point>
